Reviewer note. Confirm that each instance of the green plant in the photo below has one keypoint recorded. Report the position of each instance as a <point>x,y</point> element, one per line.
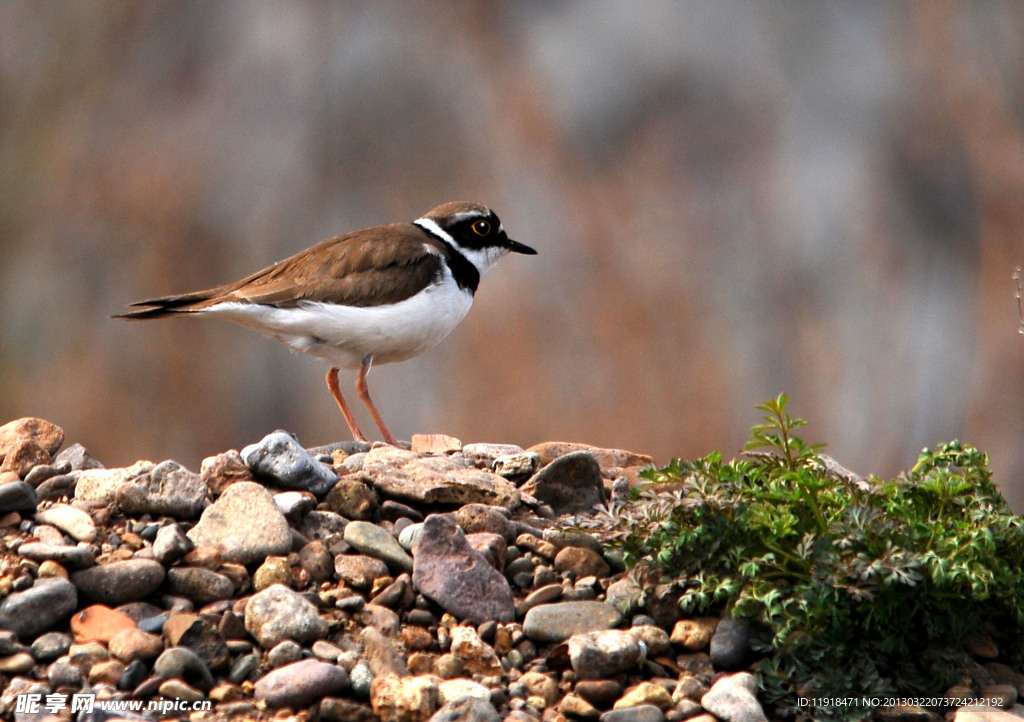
<point>861,588</point>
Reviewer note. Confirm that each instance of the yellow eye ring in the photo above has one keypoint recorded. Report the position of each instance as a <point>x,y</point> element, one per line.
<point>481,228</point>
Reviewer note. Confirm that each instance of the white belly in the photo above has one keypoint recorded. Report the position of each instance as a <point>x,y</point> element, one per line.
<point>345,335</point>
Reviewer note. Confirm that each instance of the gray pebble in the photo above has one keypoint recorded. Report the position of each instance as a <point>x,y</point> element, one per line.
<point>280,457</point>
<point>37,609</point>
<point>182,663</point>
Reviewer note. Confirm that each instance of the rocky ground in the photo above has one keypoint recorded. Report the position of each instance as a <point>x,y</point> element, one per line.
<point>341,583</point>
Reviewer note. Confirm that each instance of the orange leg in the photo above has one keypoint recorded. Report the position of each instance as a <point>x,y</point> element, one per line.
<point>364,394</point>
<point>332,384</point>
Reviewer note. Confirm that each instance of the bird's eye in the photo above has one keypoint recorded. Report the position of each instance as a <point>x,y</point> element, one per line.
<point>481,228</point>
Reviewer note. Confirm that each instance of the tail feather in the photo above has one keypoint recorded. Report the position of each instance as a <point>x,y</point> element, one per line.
<point>166,306</point>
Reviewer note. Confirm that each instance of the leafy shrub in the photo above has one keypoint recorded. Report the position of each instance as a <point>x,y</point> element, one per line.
<point>861,588</point>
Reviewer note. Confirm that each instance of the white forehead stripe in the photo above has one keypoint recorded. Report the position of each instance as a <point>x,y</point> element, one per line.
<point>431,227</point>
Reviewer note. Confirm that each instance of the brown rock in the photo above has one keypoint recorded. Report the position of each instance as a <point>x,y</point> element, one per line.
<point>28,442</point>
<point>583,562</point>
<point>404,699</point>
<point>694,635</point>
<point>99,623</point>
<point>418,639</point>
<point>645,693</point>
<point>358,570</point>
<point>133,644</point>
<point>541,685</point>
<point>352,498</point>
<point>382,657</point>
<point>221,471</point>
<point>477,656</point>
<point>601,693</point>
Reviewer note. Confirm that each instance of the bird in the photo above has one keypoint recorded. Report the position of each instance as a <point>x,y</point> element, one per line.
<point>377,295</point>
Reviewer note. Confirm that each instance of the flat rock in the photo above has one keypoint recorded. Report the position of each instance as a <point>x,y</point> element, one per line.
<point>119,582</point>
<point>570,484</point>
<point>69,557</point>
<point>409,477</point>
<point>450,571</point>
<point>42,606</point>
<point>562,620</point>
<point>300,684</point>
<point>279,456</point>
<point>168,489</point>
<point>244,524</point>
<point>278,613</point>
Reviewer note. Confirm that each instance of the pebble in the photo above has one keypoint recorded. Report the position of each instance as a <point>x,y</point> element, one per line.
<point>184,664</point>
<point>40,607</point>
<point>120,581</point>
<point>597,655</point>
<point>168,489</point>
<point>377,542</point>
<point>301,683</point>
<point>133,644</point>
<point>50,646</point>
<point>451,572</point>
<point>99,623</point>
<point>28,442</point>
<point>643,713</point>
<point>730,645</point>
<point>70,557</point>
<point>278,613</point>
<point>17,496</point>
<point>734,698</point>
<point>404,699</point>
<point>99,486</point>
<point>280,458</point>
<point>74,522</point>
<point>228,523</point>
<point>352,499</point>
<point>694,635</point>
<point>581,562</point>
<point>560,621</point>
<point>468,708</point>
<point>570,484</point>
<point>171,544</point>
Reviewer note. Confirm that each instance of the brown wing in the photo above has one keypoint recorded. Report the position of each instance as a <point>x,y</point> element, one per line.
<point>372,267</point>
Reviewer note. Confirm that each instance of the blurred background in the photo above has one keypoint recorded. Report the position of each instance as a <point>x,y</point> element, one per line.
<point>729,199</point>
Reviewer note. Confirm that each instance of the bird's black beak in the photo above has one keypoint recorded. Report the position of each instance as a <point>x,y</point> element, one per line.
<point>517,247</point>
